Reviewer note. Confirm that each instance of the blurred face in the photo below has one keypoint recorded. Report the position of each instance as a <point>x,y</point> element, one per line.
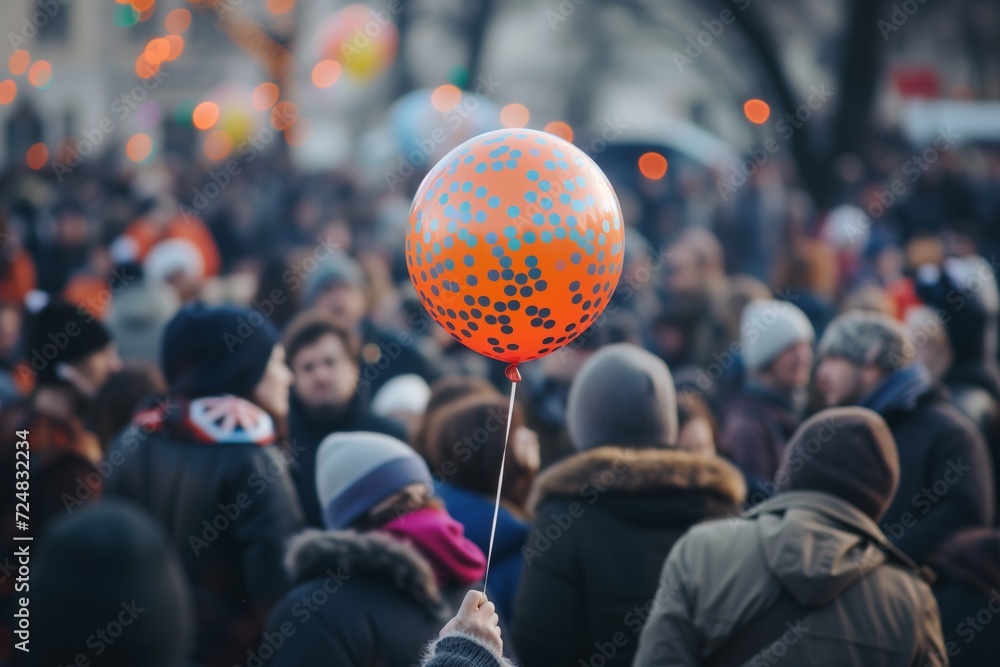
<point>325,374</point>
<point>790,370</point>
<point>271,393</point>
<point>71,229</point>
<point>91,372</point>
<point>841,382</point>
<point>10,331</point>
<point>696,437</point>
<point>683,276</point>
<point>345,302</point>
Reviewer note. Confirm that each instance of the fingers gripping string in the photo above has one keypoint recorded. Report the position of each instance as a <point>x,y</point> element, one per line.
<point>512,373</point>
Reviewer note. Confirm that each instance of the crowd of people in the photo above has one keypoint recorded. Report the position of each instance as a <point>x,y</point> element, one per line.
<point>249,445</point>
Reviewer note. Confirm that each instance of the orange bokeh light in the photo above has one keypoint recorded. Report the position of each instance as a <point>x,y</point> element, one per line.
<point>143,5</point>
<point>18,62</point>
<point>218,145</point>
<point>205,115</point>
<point>40,74</point>
<point>514,115</point>
<point>326,73</point>
<point>284,115</point>
<point>8,91</point>
<point>445,98</point>
<point>560,129</point>
<point>280,6</point>
<point>757,111</point>
<point>139,147</point>
<point>144,68</point>
<point>653,166</point>
<point>177,21</point>
<point>264,96</point>
<point>176,43</point>
<point>157,50</point>
<point>37,155</point>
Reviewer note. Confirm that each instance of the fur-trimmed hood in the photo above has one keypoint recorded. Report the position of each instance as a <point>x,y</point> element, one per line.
<point>315,554</point>
<point>630,470</point>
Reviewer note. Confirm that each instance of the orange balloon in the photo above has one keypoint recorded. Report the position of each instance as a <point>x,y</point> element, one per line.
<point>515,243</point>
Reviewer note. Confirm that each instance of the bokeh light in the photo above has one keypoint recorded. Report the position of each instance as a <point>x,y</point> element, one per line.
<point>264,96</point>
<point>560,129</point>
<point>40,74</point>
<point>18,62</point>
<point>279,7</point>
<point>37,156</point>
<point>125,16</point>
<point>445,98</point>
<point>205,115</point>
<point>458,75</point>
<point>144,68</point>
<point>218,145</point>
<point>183,112</point>
<point>176,43</point>
<point>143,5</point>
<point>147,115</point>
<point>177,21</point>
<point>757,111</point>
<point>653,166</point>
<point>8,91</point>
<point>514,115</point>
<point>284,115</point>
<point>157,50</point>
<point>326,73</point>
<point>139,147</point>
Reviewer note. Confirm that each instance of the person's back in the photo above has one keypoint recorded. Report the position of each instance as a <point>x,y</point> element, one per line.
<point>968,586</point>
<point>205,464</point>
<point>804,576</point>
<point>606,517</point>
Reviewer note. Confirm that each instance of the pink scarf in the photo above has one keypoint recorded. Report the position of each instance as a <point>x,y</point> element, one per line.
<point>456,561</point>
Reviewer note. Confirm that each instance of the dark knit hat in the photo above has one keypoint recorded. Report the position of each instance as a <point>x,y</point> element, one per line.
<point>208,351</point>
<point>623,395</point>
<point>846,452</point>
<point>63,333</point>
<point>106,583</point>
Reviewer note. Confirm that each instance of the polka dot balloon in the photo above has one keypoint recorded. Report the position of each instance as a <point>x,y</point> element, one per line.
<point>515,243</point>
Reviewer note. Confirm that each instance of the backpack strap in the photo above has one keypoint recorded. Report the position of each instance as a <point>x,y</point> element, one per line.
<point>759,633</point>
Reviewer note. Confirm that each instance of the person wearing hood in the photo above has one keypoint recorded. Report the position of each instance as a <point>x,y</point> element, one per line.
<point>806,577</point>
<point>963,292</point>
<point>389,569</point>
<point>945,481</point>
<point>607,516</point>
<point>138,314</point>
<point>467,440</point>
<point>776,339</point>
<point>107,589</point>
<point>338,287</point>
<point>968,593</point>
<point>205,462</point>
<point>325,397</point>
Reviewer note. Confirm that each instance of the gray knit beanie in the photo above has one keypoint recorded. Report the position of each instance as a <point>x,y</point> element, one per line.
<point>356,471</point>
<point>769,327</point>
<point>623,395</point>
<point>864,338</point>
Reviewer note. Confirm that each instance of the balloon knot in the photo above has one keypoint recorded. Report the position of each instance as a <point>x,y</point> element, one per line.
<point>512,373</point>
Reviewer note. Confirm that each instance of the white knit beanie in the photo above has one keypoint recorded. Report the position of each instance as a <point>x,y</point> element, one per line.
<point>769,327</point>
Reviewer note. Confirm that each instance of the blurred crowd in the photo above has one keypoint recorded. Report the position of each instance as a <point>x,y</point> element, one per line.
<point>250,445</point>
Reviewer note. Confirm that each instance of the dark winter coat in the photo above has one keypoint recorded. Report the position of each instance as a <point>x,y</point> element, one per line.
<point>755,430</point>
<point>605,520</point>
<point>475,513</point>
<point>822,550</point>
<point>229,509</point>
<point>968,593</point>
<point>461,650</point>
<point>945,480</point>
<point>306,433</point>
<point>360,600</point>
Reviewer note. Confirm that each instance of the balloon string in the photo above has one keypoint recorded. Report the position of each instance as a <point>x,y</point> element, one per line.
<point>496,504</point>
